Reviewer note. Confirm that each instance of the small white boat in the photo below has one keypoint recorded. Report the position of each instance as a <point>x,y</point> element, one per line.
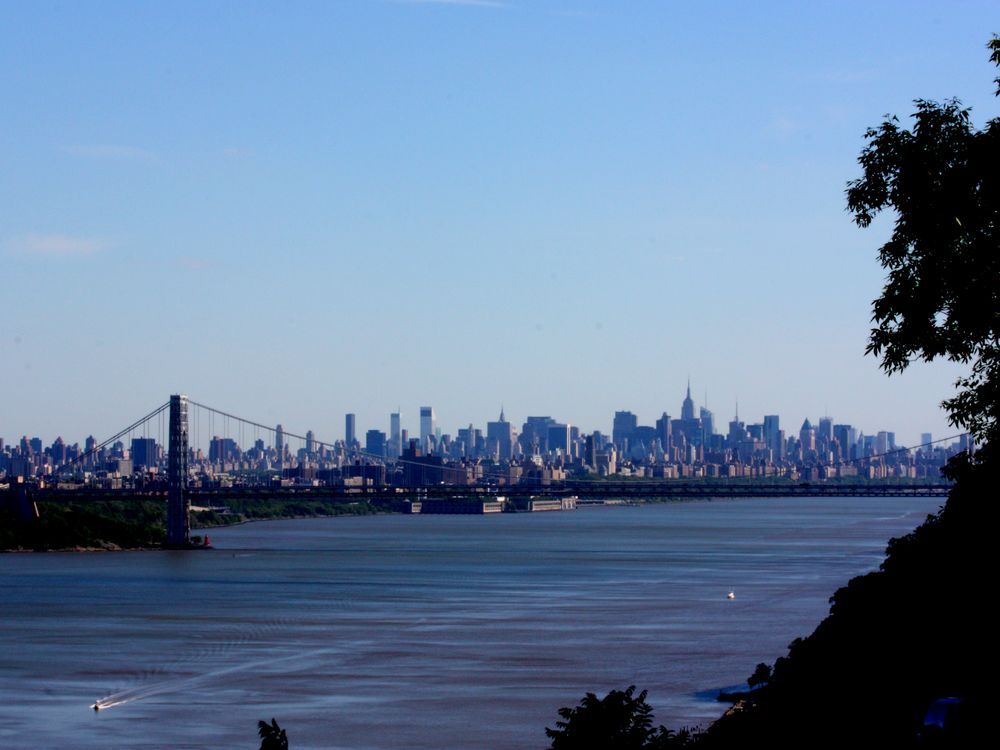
<point>731,595</point>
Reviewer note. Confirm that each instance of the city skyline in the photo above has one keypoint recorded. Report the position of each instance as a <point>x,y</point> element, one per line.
<point>561,207</point>
<point>410,421</point>
<point>543,452</point>
<point>425,425</point>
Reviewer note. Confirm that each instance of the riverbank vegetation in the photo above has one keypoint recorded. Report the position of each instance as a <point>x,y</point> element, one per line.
<point>141,524</point>
<point>241,510</point>
<point>118,524</point>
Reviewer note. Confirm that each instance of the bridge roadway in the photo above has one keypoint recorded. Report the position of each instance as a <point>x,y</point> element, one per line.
<point>582,489</point>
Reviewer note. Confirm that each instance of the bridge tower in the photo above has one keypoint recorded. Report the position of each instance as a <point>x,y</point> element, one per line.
<point>178,504</point>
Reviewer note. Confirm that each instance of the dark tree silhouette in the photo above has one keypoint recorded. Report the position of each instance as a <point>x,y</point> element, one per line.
<point>272,737</point>
<point>761,676</point>
<point>900,639</point>
<point>942,293</point>
<point>619,721</point>
<point>668,739</point>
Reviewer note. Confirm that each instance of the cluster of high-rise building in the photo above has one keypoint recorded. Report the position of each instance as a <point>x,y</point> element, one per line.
<point>542,449</point>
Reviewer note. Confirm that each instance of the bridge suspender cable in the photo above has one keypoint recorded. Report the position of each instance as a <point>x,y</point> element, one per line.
<point>98,448</point>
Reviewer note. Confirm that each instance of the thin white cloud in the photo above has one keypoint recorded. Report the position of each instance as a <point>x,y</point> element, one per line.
<point>472,3</point>
<point>55,246</point>
<point>783,126</point>
<point>111,152</point>
<point>849,75</point>
<point>193,263</point>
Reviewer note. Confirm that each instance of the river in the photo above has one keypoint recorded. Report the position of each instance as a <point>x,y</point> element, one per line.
<point>443,632</point>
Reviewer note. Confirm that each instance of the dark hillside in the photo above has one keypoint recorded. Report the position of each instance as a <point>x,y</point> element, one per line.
<point>895,640</point>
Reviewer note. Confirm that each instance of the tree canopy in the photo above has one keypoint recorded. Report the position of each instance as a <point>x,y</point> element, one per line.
<point>620,720</point>
<point>761,676</point>
<point>942,294</point>
<point>272,737</point>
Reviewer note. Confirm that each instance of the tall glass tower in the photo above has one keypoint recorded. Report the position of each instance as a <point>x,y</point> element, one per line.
<point>427,425</point>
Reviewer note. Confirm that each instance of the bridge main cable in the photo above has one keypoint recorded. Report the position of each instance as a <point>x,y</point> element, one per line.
<point>269,428</point>
<point>322,443</point>
<point>100,446</point>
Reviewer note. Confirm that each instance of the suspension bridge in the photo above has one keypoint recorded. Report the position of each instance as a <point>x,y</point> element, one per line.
<point>362,477</point>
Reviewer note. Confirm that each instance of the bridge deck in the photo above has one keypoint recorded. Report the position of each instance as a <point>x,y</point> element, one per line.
<point>637,490</point>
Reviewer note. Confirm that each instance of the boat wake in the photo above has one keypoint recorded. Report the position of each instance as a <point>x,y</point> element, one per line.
<point>146,691</point>
<point>131,695</point>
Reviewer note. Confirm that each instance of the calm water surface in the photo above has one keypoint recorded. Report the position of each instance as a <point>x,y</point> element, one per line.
<point>443,632</point>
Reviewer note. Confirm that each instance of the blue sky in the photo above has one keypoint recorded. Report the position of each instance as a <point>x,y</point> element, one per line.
<point>295,210</point>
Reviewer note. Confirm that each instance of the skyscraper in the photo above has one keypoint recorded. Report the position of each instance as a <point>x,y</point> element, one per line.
<point>590,451</point>
<point>557,437</point>
<point>395,437</point>
<point>846,436</point>
<point>427,425</point>
<point>623,428</point>
<point>882,445</point>
<point>689,426</point>
<point>807,437</point>
<point>535,434</point>
<point>222,449</point>
<point>687,407</point>
<point>90,449</point>
<point>824,434</point>
<point>772,435</point>
<point>500,437</point>
<point>375,443</point>
<point>707,422</point>
<point>737,431</point>
<point>664,432</point>
<point>350,435</point>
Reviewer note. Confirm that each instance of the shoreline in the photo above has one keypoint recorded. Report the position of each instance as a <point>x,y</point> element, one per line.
<point>205,530</point>
<point>64,550</point>
<point>112,547</point>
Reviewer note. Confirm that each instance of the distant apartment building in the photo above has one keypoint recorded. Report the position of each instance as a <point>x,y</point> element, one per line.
<point>375,443</point>
<point>143,452</point>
